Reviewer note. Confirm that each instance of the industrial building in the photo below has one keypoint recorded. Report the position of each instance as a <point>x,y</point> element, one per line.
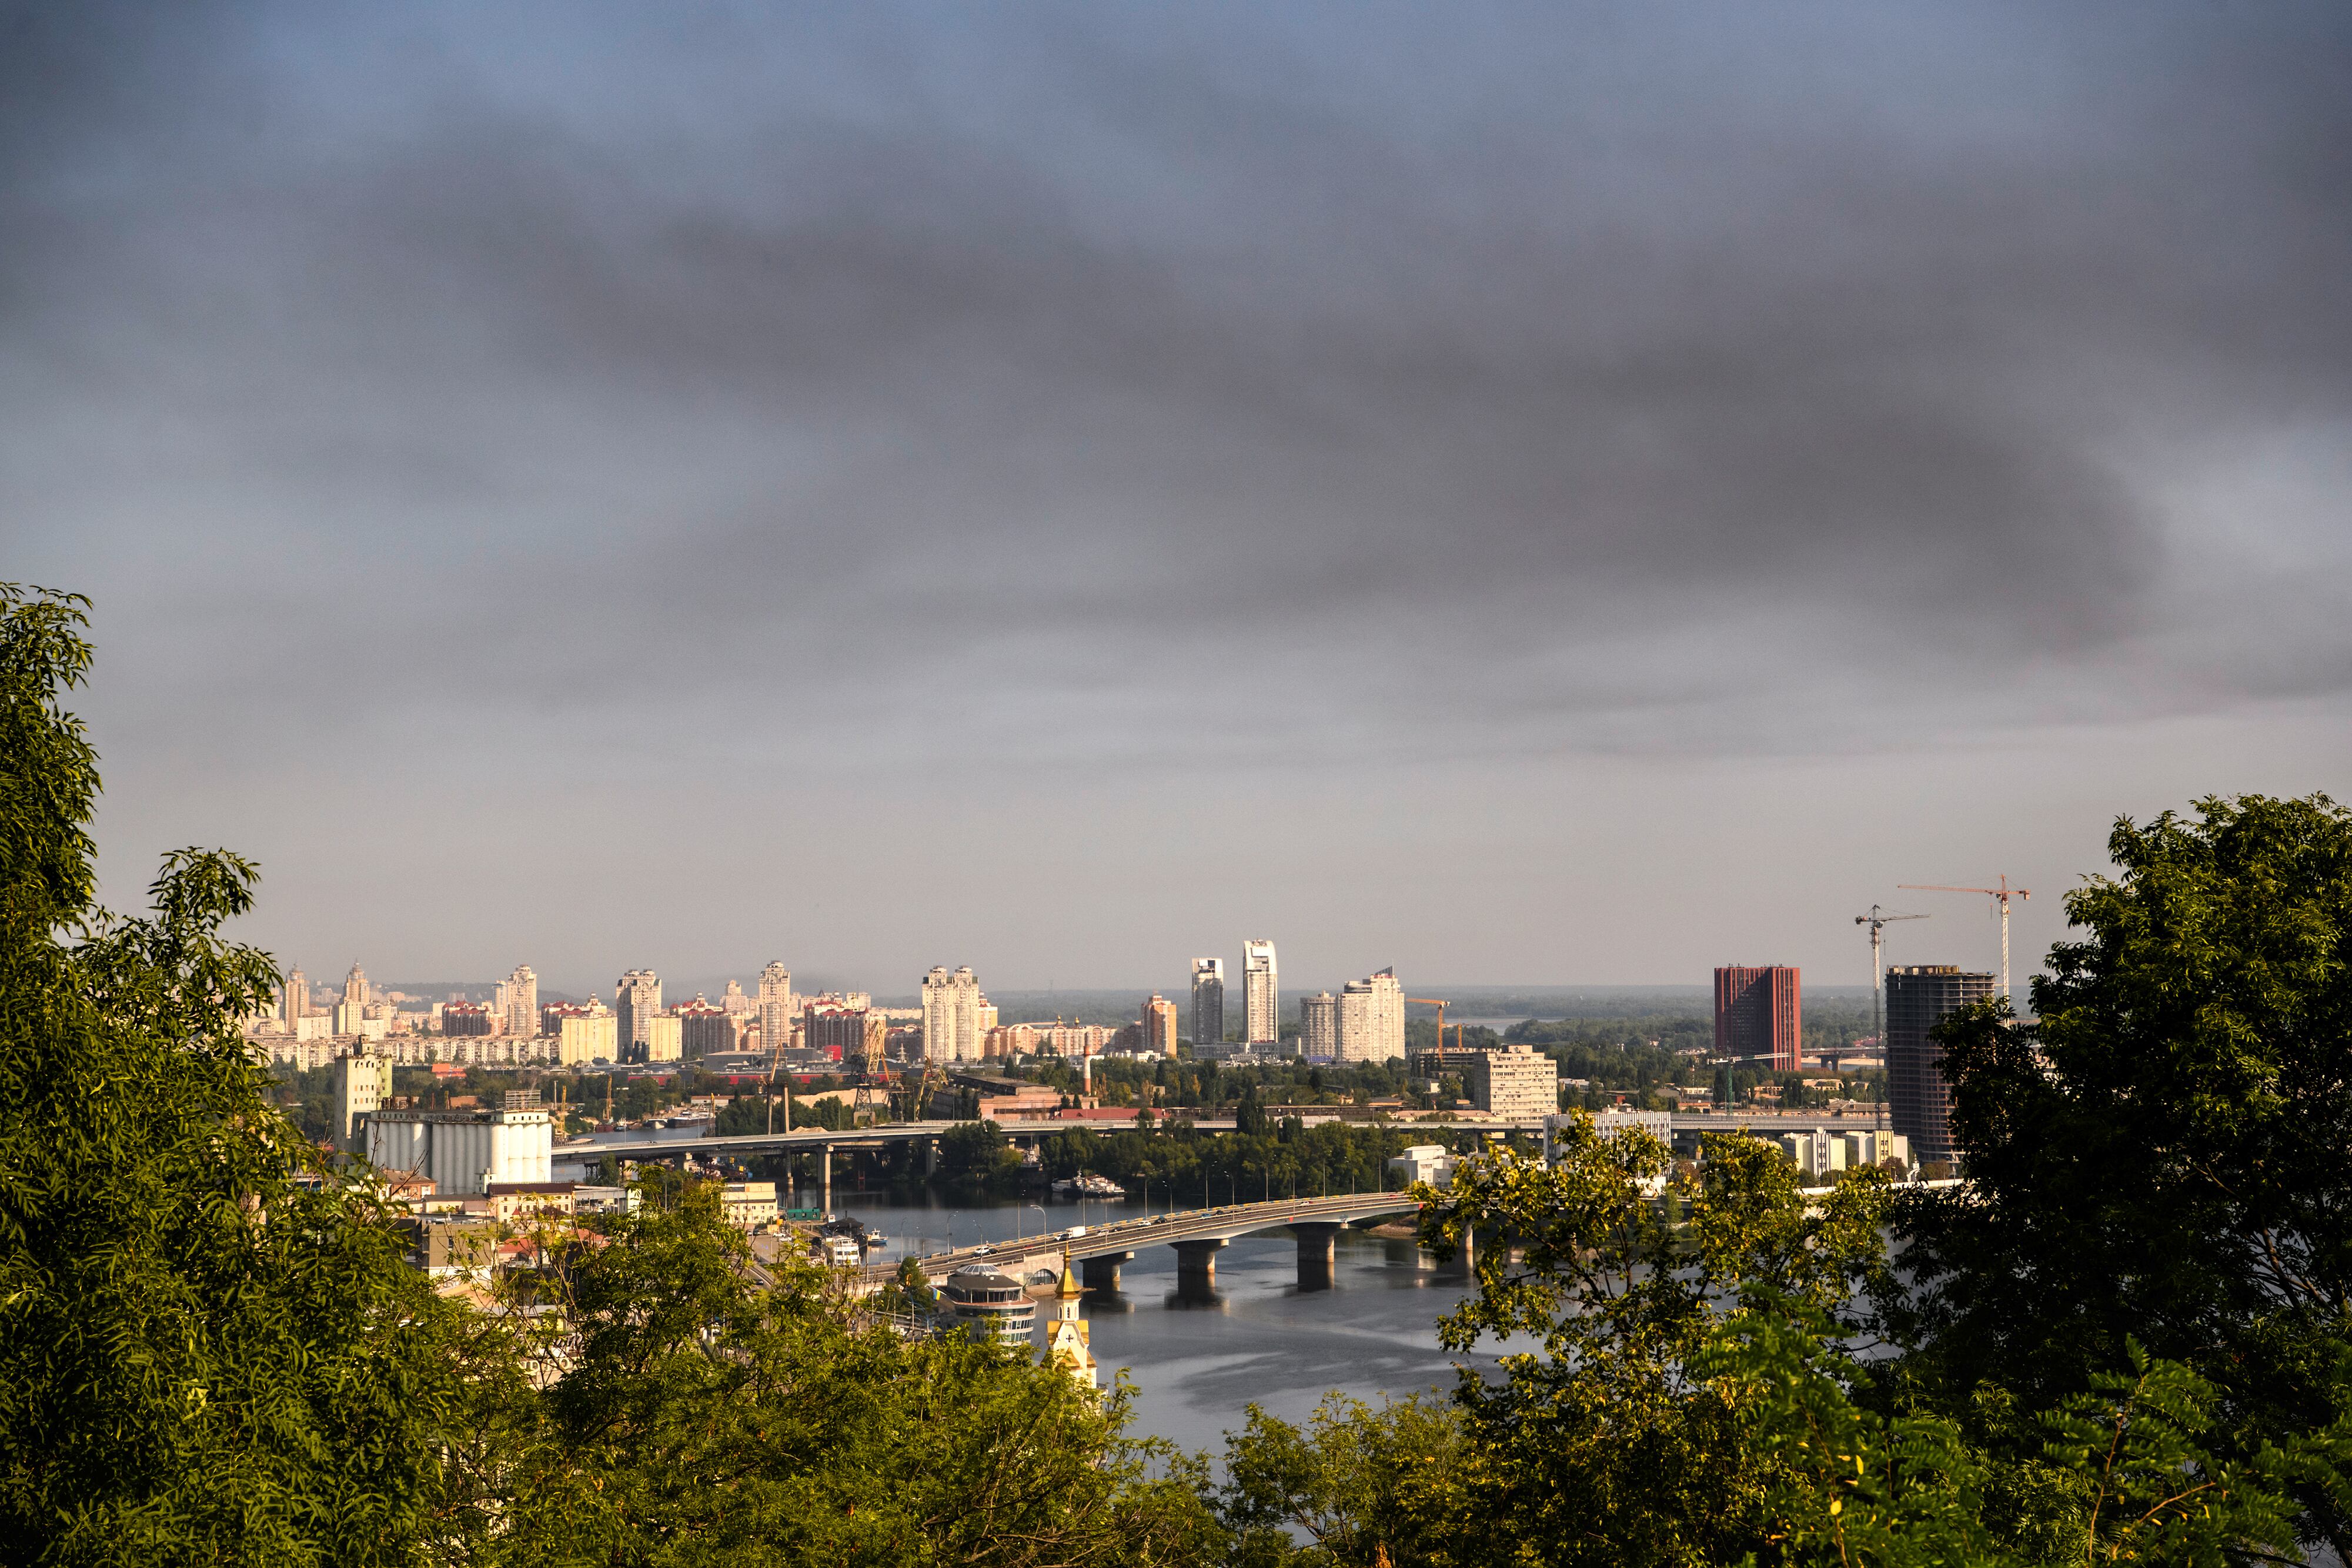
<point>464,1152</point>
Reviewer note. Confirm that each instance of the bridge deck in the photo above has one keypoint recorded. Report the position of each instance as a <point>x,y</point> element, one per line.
<point>1124,1237</point>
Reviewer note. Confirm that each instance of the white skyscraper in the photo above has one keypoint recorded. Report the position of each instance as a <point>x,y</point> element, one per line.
<point>636,998</point>
<point>519,1003</point>
<point>776,1009</point>
<point>295,999</point>
<point>1372,1018</point>
<point>1261,992</point>
<point>951,1008</point>
<point>1208,1002</point>
<point>357,992</point>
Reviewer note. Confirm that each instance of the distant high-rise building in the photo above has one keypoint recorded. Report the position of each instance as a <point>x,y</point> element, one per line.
<point>357,992</point>
<point>1159,1022</point>
<point>464,1018</point>
<point>1208,1002</point>
<point>1917,1093</point>
<point>705,1030</point>
<point>636,1000</point>
<point>552,1014</point>
<point>665,1038</point>
<point>589,1034</point>
<point>521,996</point>
<point>294,996</point>
<point>735,1001</point>
<point>951,1004</point>
<point>838,1032</point>
<point>1372,1018</point>
<point>776,1006</point>
<point>1261,992</point>
<point>1319,1027</point>
<point>1759,1016</point>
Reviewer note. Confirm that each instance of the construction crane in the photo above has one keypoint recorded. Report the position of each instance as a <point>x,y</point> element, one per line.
<point>2000,896</point>
<point>1878,920</point>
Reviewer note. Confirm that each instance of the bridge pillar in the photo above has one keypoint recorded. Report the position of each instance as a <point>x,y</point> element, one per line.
<point>1101,1274</point>
<point>1196,1261</point>
<point>824,1178</point>
<point>930,1156</point>
<point>1317,1254</point>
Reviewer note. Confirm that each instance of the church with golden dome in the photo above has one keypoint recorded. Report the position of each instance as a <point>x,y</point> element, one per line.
<point>1065,1341</point>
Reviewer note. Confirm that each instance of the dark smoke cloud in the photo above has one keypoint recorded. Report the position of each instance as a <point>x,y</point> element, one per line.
<point>1702,383</point>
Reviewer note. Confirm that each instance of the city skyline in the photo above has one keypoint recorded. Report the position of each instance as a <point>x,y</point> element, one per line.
<point>1525,495</point>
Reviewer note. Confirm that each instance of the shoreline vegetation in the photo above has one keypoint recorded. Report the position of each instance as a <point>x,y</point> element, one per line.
<point>2128,1338</point>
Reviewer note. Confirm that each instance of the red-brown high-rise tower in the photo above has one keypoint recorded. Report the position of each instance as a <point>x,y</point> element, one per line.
<point>1758,1016</point>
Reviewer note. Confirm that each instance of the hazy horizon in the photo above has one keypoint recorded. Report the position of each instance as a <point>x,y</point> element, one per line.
<point>1497,490</point>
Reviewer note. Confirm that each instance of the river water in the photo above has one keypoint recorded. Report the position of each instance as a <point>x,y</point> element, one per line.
<point>1195,1363</point>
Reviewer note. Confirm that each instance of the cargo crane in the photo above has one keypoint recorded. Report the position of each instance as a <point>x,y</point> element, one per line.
<point>873,1078</point>
<point>2001,895</point>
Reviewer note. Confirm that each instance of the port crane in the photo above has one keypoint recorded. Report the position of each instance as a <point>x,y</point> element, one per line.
<point>2001,896</point>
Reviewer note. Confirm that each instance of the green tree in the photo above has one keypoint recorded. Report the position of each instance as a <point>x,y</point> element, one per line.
<point>211,1346</point>
<point>715,1412</point>
<point>1364,1486</point>
<point>2165,1155</point>
<point>1601,1446</point>
<point>2124,1472</point>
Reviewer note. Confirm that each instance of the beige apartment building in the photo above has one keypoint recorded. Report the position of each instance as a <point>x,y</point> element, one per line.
<point>1372,1018</point>
<point>1318,1026</point>
<point>1159,1022</point>
<point>1516,1080</point>
<point>952,1030</point>
<point>593,1035</point>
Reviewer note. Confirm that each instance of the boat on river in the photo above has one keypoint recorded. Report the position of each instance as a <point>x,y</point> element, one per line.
<point>1089,1185</point>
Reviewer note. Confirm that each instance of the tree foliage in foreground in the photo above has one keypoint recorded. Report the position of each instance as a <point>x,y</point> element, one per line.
<point>202,1357</point>
<point>2164,1154</point>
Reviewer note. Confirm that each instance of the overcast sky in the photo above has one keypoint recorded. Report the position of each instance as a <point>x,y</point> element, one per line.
<point>1525,494</point>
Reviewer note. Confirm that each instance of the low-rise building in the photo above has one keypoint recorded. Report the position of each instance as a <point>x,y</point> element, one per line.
<point>988,1302</point>
<point>512,1200</point>
<point>1424,1161</point>
<point>1658,1124</point>
<point>748,1204</point>
<point>1025,1103</point>
<point>587,1199</point>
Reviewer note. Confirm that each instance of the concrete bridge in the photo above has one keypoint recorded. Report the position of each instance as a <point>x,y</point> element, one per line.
<point>1198,1235</point>
<point>925,1135</point>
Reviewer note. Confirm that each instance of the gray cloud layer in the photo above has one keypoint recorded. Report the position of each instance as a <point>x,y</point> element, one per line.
<point>1187,391</point>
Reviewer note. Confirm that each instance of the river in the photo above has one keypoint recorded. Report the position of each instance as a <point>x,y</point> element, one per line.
<point>1195,1363</point>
